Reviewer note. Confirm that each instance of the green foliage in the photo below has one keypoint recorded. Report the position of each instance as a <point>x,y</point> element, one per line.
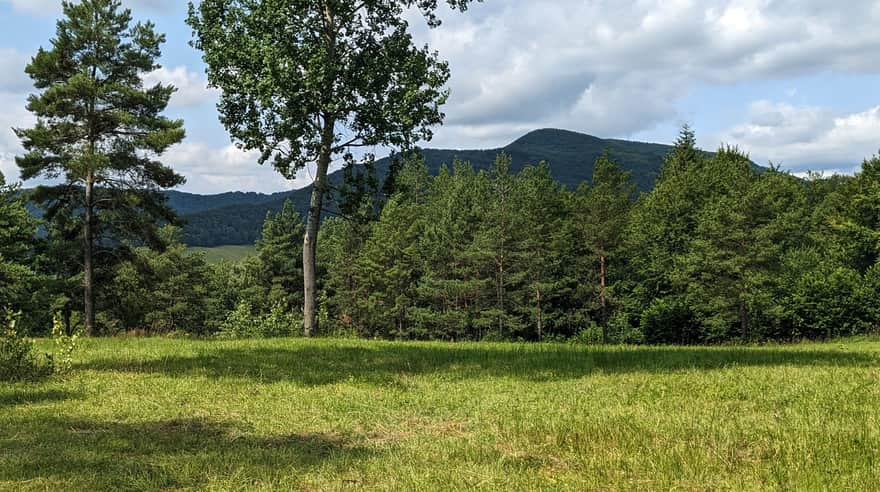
<point>235,218</point>
<point>99,130</point>
<point>591,335</point>
<point>306,82</point>
<point>242,322</point>
<point>17,230</point>
<point>670,321</point>
<point>18,358</point>
<point>65,345</point>
<point>301,68</point>
<point>718,252</point>
<point>279,258</point>
<point>160,291</point>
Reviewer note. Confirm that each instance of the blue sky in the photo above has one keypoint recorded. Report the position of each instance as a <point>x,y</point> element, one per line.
<point>795,82</point>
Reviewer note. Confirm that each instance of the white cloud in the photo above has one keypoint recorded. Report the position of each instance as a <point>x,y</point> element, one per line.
<point>192,88</point>
<point>53,7</point>
<point>209,169</point>
<point>804,138</point>
<point>616,68</point>
<point>12,75</point>
<point>13,114</point>
<point>8,167</point>
<point>604,67</point>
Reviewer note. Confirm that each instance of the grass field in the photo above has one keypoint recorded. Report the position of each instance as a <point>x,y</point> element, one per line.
<point>146,414</point>
<point>225,253</point>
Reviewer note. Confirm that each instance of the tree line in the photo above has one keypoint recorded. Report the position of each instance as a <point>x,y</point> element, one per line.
<point>717,251</point>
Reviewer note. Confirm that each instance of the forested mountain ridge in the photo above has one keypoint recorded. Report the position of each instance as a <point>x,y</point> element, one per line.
<point>236,217</point>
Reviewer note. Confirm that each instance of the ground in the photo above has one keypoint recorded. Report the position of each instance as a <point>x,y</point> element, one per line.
<point>225,253</point>
<point>146,414</point>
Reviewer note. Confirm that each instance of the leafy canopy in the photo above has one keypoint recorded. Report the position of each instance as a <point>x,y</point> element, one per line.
<point>305,78</point>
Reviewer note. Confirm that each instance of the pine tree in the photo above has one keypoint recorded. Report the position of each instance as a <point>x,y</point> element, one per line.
<point>601,215</point>
<point>99,130</point>
<point>17,230</point>
<point>279,251</point>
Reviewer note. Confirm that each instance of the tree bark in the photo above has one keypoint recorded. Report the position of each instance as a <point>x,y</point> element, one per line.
<point>88,265</point>
<point>603,301</point>
<point>540,315</point>
<point>310,239</point>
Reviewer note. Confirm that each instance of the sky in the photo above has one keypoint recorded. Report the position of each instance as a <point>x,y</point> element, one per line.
<point>792,82</point>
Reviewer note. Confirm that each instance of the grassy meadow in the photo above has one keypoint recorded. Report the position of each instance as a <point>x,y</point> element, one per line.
<point>150,414</point>
<point>225,253</point>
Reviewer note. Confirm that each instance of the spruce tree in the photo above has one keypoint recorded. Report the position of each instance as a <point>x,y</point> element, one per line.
<point>100,131</point>
<point>601,215</point>
<point>279,251</point>
<point>17,229</point>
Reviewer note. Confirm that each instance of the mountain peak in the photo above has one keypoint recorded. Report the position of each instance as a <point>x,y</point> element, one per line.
<point>543,136</point>
<point>571,156</point>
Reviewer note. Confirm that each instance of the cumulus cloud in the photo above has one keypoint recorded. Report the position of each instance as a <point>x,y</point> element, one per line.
<point>209,169</point>
<point>8,167</point>
<point>616,68</point>
<point>807,137</point>
<point>13,79</point>
<point>606,67</point>
<point>13,114</point>
<point>53,7</point>
<point>192,88</point>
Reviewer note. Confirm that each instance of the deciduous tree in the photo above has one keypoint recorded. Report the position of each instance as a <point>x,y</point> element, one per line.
<point>306,82</point>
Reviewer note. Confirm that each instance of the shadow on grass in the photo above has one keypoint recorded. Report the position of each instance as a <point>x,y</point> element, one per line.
<point>34,396</point>
<point>327,362</point>
<point>175,454</point>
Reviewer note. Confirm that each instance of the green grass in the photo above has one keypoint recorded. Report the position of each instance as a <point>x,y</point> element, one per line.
<point>225,253</point>
<point>146,414</point>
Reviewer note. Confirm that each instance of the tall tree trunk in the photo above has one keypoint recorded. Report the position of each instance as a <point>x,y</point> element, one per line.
<point>310,240</point>
<point>540,315</point>
<point>88,265</point>
<point>603,300</point>
<point>501,297</point>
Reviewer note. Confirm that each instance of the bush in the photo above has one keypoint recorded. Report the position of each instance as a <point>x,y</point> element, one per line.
<point>65,344</point>
<point>670,321</point>
<point>591,335</point>
<point>622,331</point>
<point>828,304</point>
<point>18,359</point>
<point>243,323</point>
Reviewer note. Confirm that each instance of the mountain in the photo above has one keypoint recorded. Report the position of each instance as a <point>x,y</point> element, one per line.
<point>237,218</point>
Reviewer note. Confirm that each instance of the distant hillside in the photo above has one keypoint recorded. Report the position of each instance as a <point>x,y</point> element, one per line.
<point>225,253</point>
<point>236,218</point>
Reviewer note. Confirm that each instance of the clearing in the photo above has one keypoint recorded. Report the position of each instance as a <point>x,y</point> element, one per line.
<point>144,414</point>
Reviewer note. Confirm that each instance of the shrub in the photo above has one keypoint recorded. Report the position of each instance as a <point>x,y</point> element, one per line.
<point>65,344</point>
<point>827,304</point>
<point>18,359</point>
<point>621,330</point>
<point>591,335</point>
<point>670,321</point>
<point>243,323</point>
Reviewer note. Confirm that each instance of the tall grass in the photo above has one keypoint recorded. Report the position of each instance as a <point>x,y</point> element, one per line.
<point>148,414</point>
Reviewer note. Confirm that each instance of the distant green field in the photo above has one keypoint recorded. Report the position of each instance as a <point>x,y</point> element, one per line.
<point>293,414</point>
<point>225,253</point>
